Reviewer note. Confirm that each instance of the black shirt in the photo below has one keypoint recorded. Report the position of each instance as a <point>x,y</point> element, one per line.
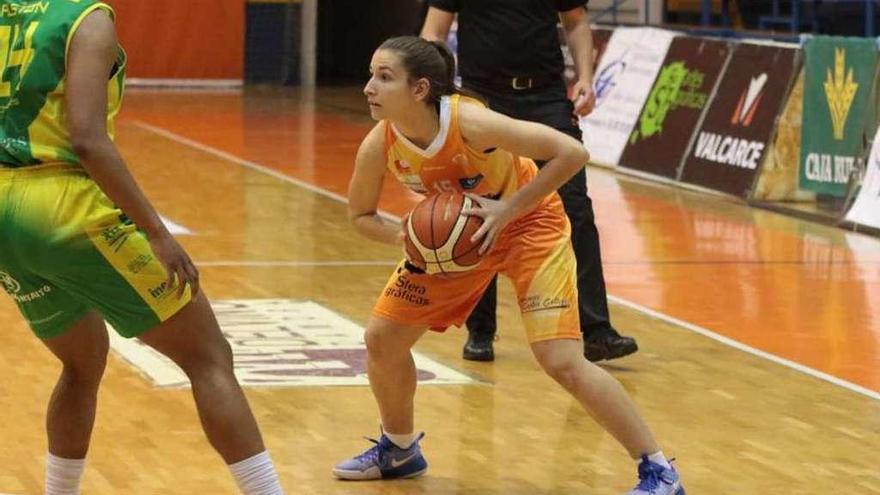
<point>508,38</point>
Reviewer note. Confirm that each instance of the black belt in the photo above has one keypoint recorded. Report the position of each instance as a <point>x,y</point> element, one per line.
<point>412,268</point>
<point>516,83</point>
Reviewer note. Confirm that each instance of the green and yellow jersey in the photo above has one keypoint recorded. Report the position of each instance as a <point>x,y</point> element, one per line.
<point>65,248</point>
<point>35,37</point>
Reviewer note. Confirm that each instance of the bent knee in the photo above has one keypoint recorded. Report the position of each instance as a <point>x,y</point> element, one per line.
<point>213,357</point>
<point>377,340</point>
<point>383,342</point>
<point>87,371</point>
<point>567,372</point>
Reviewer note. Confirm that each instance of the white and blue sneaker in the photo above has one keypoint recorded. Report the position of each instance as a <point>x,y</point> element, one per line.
<point>655,479</point>
<point>384,461</point>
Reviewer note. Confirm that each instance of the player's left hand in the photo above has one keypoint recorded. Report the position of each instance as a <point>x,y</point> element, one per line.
<point>496,214</point>
<point>180,268</point>
<point>583,97</point>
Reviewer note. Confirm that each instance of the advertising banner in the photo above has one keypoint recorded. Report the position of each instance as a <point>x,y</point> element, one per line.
<point>839,107</point>
<point>735,134</point>
<point>674,106</point>
<point>622,83</point>
<point>866,209</point>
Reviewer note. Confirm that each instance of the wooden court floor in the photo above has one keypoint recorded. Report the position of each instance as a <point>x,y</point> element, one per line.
<point>759,367</point>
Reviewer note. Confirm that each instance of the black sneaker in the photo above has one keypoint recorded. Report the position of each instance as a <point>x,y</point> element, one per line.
<point>479,347</point>
<point>609,345</point>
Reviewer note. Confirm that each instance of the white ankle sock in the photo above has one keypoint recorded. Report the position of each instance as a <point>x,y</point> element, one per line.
<point>659,458</point>
<point>63,475</point>
<point>256,475</point>
<point>402,440</point>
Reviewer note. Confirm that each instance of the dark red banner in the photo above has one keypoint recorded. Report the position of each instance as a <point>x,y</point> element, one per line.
<point>674,105</point>
<point>729,147</point>
<point>173,39</point>
<point>600,41</point>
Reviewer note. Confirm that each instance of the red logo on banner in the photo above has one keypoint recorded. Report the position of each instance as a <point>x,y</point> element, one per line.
<point>749,101</point>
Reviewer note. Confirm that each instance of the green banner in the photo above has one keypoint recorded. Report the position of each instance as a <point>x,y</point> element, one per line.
<point>839,108</point>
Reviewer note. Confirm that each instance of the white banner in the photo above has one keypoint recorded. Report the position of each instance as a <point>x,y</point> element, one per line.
<point>866,209</point>
<point>622,83</point>
<point>283,343</point>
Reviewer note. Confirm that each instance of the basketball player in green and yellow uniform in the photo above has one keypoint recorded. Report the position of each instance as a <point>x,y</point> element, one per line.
<point>80,244</point>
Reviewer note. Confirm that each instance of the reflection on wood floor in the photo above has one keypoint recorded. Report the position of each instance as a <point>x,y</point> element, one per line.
<point>258,178</point>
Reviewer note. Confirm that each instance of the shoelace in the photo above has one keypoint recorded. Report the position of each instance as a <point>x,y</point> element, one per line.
<point>371,454</point>
<point>651,475</point>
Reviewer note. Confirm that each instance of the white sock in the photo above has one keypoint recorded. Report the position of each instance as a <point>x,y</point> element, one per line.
<point>659,458</point>
<point>63,475</point>
<point>256,475</point>
<point>402,440</point>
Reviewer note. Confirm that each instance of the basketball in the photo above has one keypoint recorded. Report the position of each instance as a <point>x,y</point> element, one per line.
<point>438,236</point>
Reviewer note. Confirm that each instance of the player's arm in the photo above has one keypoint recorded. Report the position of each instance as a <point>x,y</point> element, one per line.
<point>366,187</point>
<point>579,36</point>
<point>89,65</point>
<point>437,24</point>
<point>485,129</point>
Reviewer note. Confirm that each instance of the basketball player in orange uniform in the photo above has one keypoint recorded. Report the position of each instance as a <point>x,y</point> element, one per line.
<point>433,140</point>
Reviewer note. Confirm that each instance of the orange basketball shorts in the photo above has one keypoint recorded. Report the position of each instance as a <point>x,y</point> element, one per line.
<point>534,252</point>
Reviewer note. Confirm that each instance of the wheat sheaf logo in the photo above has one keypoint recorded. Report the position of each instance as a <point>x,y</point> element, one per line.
<point>840,90</point>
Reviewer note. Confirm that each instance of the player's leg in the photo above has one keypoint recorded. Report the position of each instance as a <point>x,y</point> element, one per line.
<point>543,277</point>
<point>82,350</point>
<point>78,338</point>
<point>392,374</point>
<point>410,303</point>
<point>601,395</point>
<point>392,371</point>
<point>609,404</point>
<point>107,264</point>
<point>70,416</point>
<point>29,216</point>
<point>546,288</point>
<point>602,341</point>
<point>192,339</point>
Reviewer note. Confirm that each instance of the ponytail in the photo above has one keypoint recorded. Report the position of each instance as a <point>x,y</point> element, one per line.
<point>449,60</point>
<point>431,60</point>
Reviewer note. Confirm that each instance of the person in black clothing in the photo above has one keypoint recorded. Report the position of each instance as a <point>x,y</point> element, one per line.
<point>509,53</point>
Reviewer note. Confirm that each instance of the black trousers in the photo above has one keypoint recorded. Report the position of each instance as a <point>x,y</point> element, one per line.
<point>551,106</point>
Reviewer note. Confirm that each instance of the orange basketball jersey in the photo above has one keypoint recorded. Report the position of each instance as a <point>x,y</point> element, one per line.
<point>450,164</point>
<point>534,250</point>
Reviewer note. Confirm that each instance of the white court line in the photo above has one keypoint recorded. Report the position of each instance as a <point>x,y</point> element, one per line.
<point>272,264</point>
<point>683,324</point>
<point>175,229</point>
<point>251,165</point>
<point>746,348</point>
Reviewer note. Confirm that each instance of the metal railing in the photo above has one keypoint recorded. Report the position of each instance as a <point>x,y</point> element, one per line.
<point>598,16</point>
<point>793,20</point>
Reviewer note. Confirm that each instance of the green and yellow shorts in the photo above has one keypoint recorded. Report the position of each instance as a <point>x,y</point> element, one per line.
<point>65,250</point>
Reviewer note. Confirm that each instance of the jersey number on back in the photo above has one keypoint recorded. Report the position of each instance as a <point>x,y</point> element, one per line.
<point>10,58</point>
